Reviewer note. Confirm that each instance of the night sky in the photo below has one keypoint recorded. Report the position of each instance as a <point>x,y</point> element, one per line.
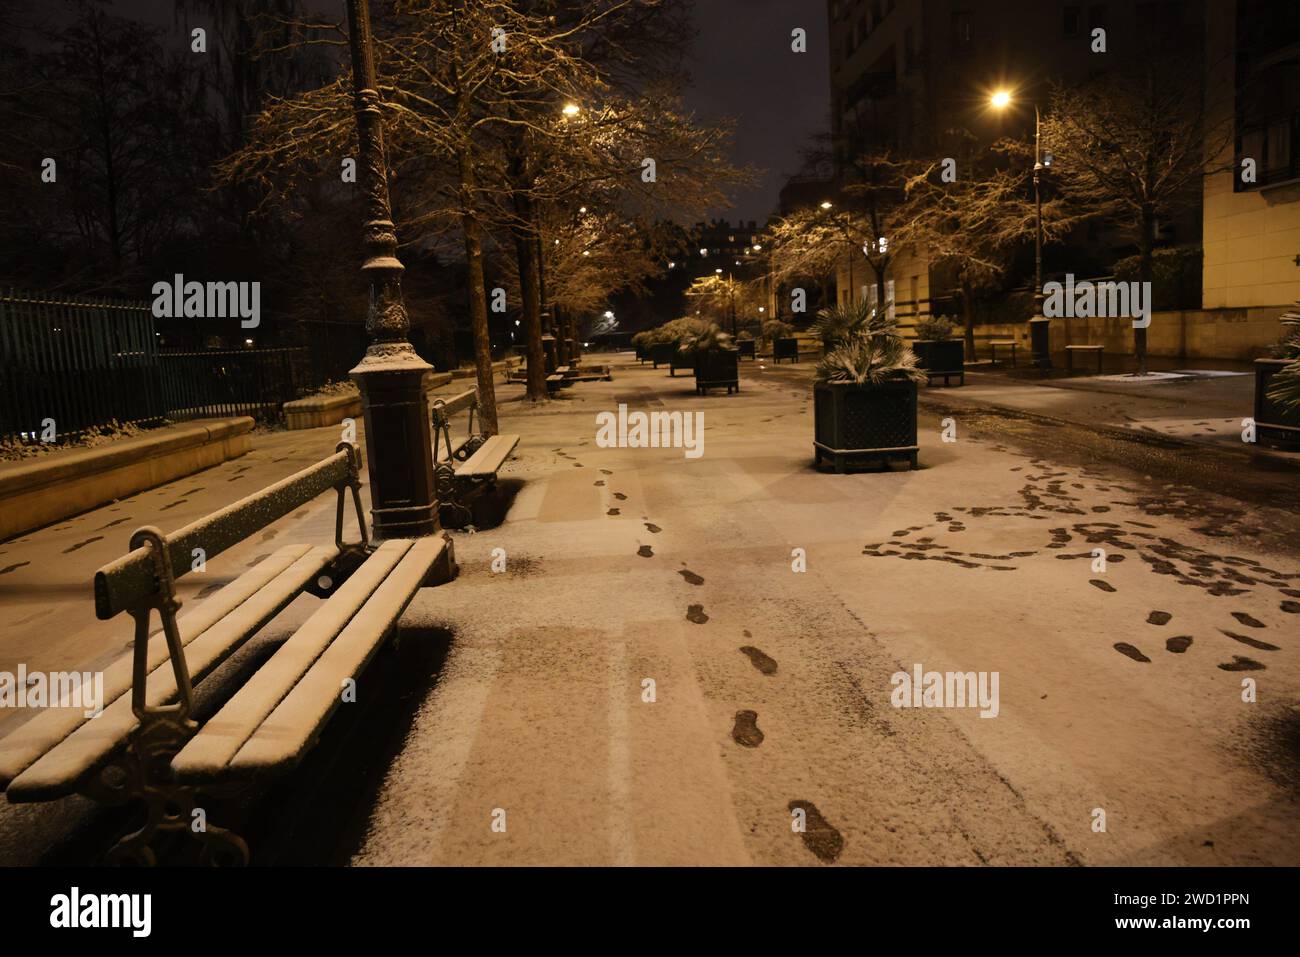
<point>741,67</point>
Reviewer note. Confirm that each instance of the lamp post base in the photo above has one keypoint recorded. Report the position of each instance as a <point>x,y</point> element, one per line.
<point>399,457</point>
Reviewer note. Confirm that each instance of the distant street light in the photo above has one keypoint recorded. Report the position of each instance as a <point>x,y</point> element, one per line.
<point>572,109</point>
<point>1039,325</point>
<point>827,204</point>
<point>704,252</point>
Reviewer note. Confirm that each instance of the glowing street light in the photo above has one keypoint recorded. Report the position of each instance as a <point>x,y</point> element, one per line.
<point>572,109</point>
<point>1039,326</point>
<point>827,204</point>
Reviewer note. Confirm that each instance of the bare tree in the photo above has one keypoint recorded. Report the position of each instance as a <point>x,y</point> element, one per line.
<point>1133,147</point>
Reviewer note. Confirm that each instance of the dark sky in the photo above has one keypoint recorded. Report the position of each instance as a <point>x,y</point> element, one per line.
<point>742,67</point>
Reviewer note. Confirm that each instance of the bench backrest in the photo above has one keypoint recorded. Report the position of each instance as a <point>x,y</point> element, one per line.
<point>444,408</point>
<point>132,579</point>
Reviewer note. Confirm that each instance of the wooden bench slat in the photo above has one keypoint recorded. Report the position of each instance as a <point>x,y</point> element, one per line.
<point>489,458</point>
<point>57,772</point>
<point>295,723</point>
<point>453,404</point>
<point>225,732</point>
<point>122,584</point>
<point>21,748</point>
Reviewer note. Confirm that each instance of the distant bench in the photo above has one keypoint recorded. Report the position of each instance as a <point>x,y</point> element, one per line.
<point>994,344</point>
<point>146,744</point>
<point>1070,353</point>
<point>465,467</point>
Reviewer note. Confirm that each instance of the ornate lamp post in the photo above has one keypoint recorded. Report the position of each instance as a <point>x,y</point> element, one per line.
<point>390,376</point>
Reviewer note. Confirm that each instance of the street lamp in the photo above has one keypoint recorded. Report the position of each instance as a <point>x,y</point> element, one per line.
<point>390,377</point>
<point>1039,325</point>
<point>571,109</point>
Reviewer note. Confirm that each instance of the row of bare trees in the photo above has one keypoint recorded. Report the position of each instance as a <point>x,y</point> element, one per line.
<point>543,136</point>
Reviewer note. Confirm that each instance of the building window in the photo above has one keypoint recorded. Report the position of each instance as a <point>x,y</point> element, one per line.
<point>1070,23</point>
<point>961,31</point>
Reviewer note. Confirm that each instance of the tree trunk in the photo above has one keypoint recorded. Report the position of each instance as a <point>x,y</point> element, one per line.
<point>526,256</point>
<point>1146,244</point>
<point>968,316</point>
<point>478,315</point>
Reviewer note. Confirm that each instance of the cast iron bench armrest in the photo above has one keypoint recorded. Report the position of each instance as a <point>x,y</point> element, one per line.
<point>208,641</point>
<point>28,743</point>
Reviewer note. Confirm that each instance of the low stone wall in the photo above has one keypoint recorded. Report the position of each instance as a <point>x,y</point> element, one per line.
<point>1238,334</point>
<point>36,492</point>
<point>316,411</point>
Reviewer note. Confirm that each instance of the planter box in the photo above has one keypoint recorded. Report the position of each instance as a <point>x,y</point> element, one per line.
<point>746,348</point>
<point>1274,426</point>
<point>321,410</point>
<point>717,368</point>
<point>865,423</point>
<point>785,349</point>
<point>642,353</point>
<point>662,353</point>
<point>941,357</point>
<point>680,361</point>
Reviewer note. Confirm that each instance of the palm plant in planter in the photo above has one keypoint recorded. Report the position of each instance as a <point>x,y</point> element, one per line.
<point>937,352</point>
<point>1277,387</point>
<point>864,398</point>
<point>780,336</point>
<point>715,359</point>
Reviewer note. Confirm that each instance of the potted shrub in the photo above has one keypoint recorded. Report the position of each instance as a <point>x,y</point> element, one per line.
<point>781,337</point>
<point>864,398</point>
<point>745,344</point>
<point>715,360</point>
<point>642,346</point>
<point>1277,388</point>
<point>937,352</point>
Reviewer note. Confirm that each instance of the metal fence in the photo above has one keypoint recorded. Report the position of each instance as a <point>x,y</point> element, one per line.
<point>254,382</point>
<point>72,365</point>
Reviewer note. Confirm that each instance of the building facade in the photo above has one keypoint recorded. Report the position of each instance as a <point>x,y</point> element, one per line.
<point>1252,200</point>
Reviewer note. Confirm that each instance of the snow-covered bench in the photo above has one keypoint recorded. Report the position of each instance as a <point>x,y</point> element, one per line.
<point>466,467</point>
<point>146,744</point>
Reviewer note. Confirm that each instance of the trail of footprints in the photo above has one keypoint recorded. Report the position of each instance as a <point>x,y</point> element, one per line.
<point>1218,575</point>
<point>819,836</point>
